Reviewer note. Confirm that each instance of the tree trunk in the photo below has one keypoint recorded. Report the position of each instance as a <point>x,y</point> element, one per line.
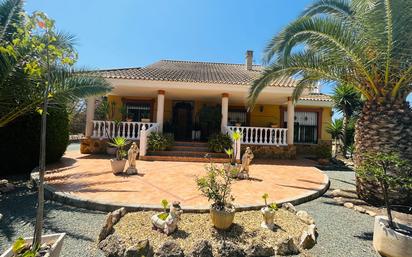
<point>345,132</point>
<point>384,127</point>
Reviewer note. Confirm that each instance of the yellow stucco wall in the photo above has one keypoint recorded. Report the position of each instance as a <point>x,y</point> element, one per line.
<point>265,115</point>
<point>326,119</point>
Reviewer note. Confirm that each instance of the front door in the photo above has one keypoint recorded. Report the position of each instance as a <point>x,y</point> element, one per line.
<point>182,120</point>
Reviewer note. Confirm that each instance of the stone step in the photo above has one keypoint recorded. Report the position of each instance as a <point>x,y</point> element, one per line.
<point>190,143</point>
<point>200,154</point>
<point>182,159</point>
<point>187,148</point>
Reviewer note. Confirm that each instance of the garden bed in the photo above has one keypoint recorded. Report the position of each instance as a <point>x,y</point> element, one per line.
<point>192,228</point>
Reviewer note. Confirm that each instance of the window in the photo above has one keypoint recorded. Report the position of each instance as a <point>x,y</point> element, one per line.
<point>138,111</point>
<point>306,127</point>
<point>237,116</point>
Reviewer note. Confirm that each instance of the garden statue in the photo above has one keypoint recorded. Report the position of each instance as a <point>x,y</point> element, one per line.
<point>246,160</point>
<point>167,222</point>
<point>131,156</point>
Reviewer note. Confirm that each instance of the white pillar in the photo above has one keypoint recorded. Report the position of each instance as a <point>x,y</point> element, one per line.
<point>291,120</point>
<point>90,108</point>
<point>225,110</point>
<point>160,108</point>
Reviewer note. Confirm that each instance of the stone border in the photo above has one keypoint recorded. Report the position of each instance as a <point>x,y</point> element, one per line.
<point>52,194</point>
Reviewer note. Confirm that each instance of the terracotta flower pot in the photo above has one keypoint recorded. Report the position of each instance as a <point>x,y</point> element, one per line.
<point>56,240</point>
<point>117,166</point>
<point>389,242</point>
<point>268,217</point>
<point>222,219</point>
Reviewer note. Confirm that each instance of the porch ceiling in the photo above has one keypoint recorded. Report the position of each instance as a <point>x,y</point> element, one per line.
<point>196,91</point>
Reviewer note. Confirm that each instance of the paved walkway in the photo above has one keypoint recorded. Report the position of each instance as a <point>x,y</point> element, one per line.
<point>91,179</point>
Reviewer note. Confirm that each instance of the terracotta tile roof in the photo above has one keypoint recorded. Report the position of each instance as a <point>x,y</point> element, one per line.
<point>189,71</point>
<point>316,97</point>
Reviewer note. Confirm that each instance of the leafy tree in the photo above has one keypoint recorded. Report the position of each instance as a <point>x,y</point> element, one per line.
<point>364,44</point>
<point>391,173</point>
<point>348,102</point>
<point>335,129</point>
<point>35,70</point>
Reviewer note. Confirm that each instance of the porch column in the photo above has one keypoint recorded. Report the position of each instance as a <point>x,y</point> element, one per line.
<point>90,107</point>
<point>225,109</point>
<point>160,108</point>
<point>291,120</point>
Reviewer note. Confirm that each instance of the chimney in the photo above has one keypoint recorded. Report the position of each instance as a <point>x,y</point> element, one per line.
<point>249,59</point>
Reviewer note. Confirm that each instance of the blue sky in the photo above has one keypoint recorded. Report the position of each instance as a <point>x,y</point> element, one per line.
<point>134,33</point>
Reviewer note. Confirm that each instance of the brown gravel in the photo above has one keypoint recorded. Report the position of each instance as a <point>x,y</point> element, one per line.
<point>194,227</point>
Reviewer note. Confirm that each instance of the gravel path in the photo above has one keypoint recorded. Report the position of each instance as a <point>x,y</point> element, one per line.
<point>343,232</point>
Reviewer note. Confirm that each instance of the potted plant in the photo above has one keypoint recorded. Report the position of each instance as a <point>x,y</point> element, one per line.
<point>231,168</point>
<point>119,162</point>
<point>51,245</point>
<point>159,142</point>
<point>219,142</point>
<point>268,212</point>
<point>390,238</point>
<point>216,186</point>
<point>145,119</point>
<point>110,149</point>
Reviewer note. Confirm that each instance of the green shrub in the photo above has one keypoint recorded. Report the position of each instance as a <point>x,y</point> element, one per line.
<point>159,142</point>
<point>20,141</point>
<point>219,142</point>
<point>324,151</point>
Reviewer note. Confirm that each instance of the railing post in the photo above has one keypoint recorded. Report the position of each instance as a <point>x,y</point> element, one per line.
<point>143,141</point>
<point>237,145</point>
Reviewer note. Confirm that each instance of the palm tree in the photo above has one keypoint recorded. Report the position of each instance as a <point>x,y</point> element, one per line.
<point>361,43</point>
<point>335,129</point>
<point>346,101</point>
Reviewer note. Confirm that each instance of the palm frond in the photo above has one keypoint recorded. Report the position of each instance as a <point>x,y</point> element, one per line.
<point>9,14</point>
<point>331,7</point>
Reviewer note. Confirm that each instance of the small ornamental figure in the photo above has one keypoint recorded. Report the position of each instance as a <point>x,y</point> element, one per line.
<point>246,160</point>
<point>131,156</point>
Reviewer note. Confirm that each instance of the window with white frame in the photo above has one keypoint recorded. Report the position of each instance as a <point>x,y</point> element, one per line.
<point>138,111</point>
<point>305,128</point>
<point>237,116</point>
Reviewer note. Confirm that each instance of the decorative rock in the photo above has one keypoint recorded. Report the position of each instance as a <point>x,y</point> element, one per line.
<point>336,192</point>
<point>259,250</point>
<point>170,249</point>
<point>308,237</point>
<point>118,214</point>
<point>359,209</point>
<point>348,205</point>
<point>5,186</point>
<point>229,249</point>
<point>107,229</point>
<point>339,200</point>
<point>289,207</point>
<point>112,246</point>
<point>141,249</point>
<point>371,213</point>
<point>202,248</point>
<point>305,217</point>
<point>287,247</point>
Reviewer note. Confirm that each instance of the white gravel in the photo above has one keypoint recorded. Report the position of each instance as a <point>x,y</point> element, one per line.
<point>343,232</point>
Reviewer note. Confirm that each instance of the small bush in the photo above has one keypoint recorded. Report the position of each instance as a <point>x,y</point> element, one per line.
<point>219,142</point>
<point>159,142</point>
<point>324,151</point>
<point>20,141</point>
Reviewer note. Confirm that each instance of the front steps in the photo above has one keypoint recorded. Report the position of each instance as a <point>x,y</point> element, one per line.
<point>186,152</point>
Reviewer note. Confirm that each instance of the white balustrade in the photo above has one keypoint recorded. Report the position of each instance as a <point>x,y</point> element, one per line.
<point>130,130</point>
<point>144,134</point>
<point>262,135</point>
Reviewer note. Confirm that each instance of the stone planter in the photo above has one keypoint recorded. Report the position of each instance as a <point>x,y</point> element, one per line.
<point>111,150</point>
<point>145,120</point>
<point>391,243</point>
<point>117,166</point>
<point>268,217</point>
<point>222,219</point>
<point>56,240</point>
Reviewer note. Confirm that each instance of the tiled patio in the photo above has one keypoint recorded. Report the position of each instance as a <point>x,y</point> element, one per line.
<point>90,178</point>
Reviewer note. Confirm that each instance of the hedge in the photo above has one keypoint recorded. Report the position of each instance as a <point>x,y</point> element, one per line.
<point>20,141</point>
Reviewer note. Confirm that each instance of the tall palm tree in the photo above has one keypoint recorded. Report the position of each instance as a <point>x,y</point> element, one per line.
<point>362,43</point>
<point>346,101</point>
